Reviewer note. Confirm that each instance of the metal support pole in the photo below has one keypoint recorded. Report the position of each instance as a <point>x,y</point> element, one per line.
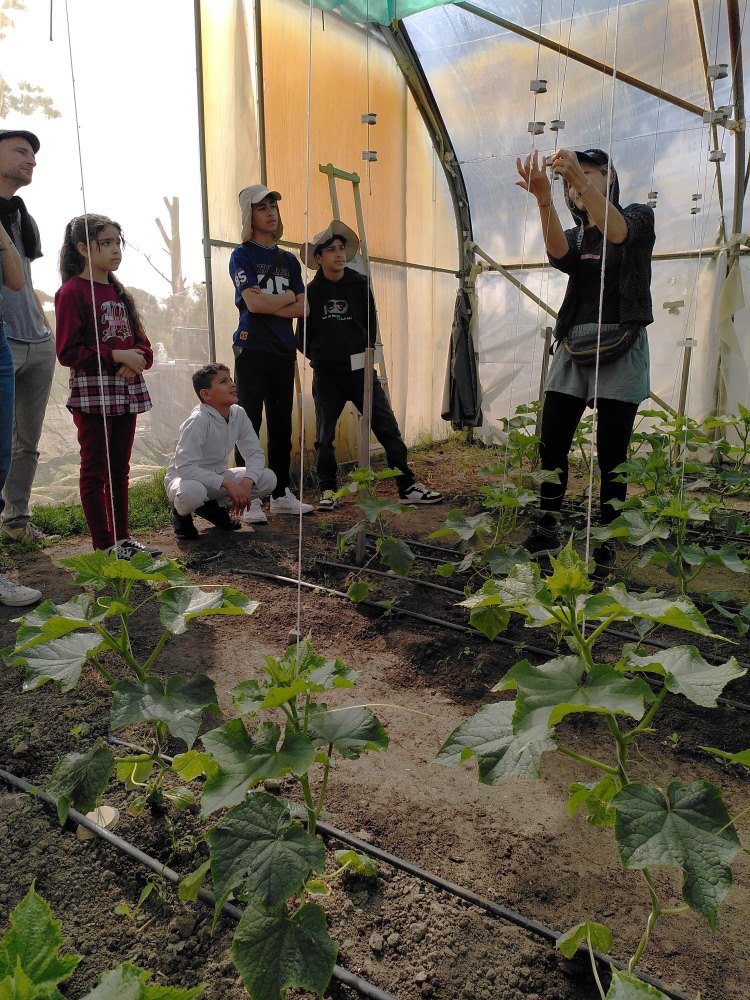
<point>259,91</point>
<point>513,280</point>
<point>204,182</point>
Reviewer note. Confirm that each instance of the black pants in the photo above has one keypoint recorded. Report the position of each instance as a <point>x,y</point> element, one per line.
<point>331,393</point>
<point>614,425</point>
<point>264,379</point>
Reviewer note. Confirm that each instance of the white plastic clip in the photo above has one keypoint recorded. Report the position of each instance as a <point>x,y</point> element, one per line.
<point>538,86</point>
<point>716,156</point>
<point>653,195</point>
<point>695,210</point>
<point>718,71</point>
<point>651,202</point>
<point>697,197</point>
<point>557,124</point>
<point>717,117</point>
<point>369,155</point>
<point>536,128</point>
<point>674,307</point>
<point>370,118</point>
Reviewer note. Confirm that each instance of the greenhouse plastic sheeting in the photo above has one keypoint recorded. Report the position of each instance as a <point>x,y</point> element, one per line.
<point>375,11</point>
<point>408,217</point>
<point>481,75</point>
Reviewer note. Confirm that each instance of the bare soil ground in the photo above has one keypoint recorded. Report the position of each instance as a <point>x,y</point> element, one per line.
<point>512,844</point>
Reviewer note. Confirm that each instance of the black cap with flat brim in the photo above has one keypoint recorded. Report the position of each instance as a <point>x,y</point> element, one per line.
<point>12,133</point>
<point>597,156</point>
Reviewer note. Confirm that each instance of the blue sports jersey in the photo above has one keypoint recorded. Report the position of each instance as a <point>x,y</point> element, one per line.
<point>275,271</point>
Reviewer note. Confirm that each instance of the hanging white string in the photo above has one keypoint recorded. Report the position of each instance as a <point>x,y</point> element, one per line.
<point>92,287</point>
<point>590,502</point>
<point>303,377</point>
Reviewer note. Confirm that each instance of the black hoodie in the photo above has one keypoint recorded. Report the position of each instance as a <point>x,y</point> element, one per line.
<point>633,257</point>
<point>337,325</point>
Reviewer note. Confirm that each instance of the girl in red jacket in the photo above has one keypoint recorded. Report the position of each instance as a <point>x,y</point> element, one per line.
<point>100,338</point>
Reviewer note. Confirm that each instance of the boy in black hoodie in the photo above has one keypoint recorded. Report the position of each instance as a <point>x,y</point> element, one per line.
<point>341,314</point>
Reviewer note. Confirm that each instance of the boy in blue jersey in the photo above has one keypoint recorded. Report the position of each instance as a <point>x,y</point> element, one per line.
<point>269,294</point>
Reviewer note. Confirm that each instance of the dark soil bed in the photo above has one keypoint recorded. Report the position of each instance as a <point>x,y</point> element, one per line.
<point>511,844</point>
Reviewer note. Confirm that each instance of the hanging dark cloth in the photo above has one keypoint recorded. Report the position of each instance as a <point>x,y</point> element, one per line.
<point>9,208</point>
<point>462,399</point>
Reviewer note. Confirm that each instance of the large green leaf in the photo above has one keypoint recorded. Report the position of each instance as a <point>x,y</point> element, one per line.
<point>468,529</point>
<point>488,735</point>
<point>597,800</point>
<point>351,730</point>
<point>180,604</point>
<point>32,943</point>
<point>127,982</point>
<point>372,508</point>
<point>686,672</point>
<point>396,554</point>
<point>80,779</point>
<point>60,661</point>
<point>677,612</point>
<point>625,986</point>
<point>179,705</point>
<point>102,570</point>
<point>522,587</point>
<point>490,621</point>
<point>552,690</point>
<point>260,853</point>
<point>595,936</point>
<point>242,762</point>
<point>688,828</point>
<point>273,951</point>
<point>52,621</point>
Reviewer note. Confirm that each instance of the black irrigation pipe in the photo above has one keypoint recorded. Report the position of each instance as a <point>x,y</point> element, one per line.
<point>362,986</point>
<point>540,650</point>
<point>378,605</point>
<point>493,909</point>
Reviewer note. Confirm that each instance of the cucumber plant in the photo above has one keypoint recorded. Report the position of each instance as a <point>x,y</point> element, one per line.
<point>32,966</point>
<point>55,641</point>
<point>393,552</point>
<point>686,826</point>
<point>264,851</point>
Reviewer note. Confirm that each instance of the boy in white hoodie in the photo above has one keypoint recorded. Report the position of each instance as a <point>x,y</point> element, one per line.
<point>198,480</point>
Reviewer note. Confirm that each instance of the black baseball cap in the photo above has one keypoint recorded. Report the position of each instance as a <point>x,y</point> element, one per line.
<point>10,133</point>
<point>597,156</point>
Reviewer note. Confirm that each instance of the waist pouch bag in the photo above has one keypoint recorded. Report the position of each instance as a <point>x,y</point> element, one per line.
<point>609,346</point>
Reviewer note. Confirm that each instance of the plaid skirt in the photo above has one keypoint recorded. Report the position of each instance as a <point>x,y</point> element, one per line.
<point>110,394</point>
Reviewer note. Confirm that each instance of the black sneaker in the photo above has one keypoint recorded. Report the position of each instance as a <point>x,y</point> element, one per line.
<point>217,515</point>
<point>182,525</point>
<point>541,542</point>
<point>129,547</point>
<point>418,493</point>
<point>605,560</point>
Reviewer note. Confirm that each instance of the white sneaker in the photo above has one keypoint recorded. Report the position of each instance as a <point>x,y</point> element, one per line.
<point>289,504</point>
<point>254,513</point>
<point>17,596</point>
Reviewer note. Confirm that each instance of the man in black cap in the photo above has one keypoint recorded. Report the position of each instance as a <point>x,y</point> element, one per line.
<point>602,354</point>
<point>29,337</point>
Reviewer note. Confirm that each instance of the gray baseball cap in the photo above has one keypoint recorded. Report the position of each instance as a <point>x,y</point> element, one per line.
<point>11,133</point>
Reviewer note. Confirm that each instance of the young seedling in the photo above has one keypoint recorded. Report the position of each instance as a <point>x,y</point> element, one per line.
<point>392,552</point>
<point>32,966</point>
<point>54,643</point>
<point>686,826</point>
<point>265,851</point>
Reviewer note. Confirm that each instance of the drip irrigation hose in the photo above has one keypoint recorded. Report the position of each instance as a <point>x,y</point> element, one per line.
<point>493,909</point>
<point>539,650</point>
<point>465,629</point>
<point>362,986</point>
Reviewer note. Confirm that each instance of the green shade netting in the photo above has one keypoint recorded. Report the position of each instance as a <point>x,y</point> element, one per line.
<point>376,11</point>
